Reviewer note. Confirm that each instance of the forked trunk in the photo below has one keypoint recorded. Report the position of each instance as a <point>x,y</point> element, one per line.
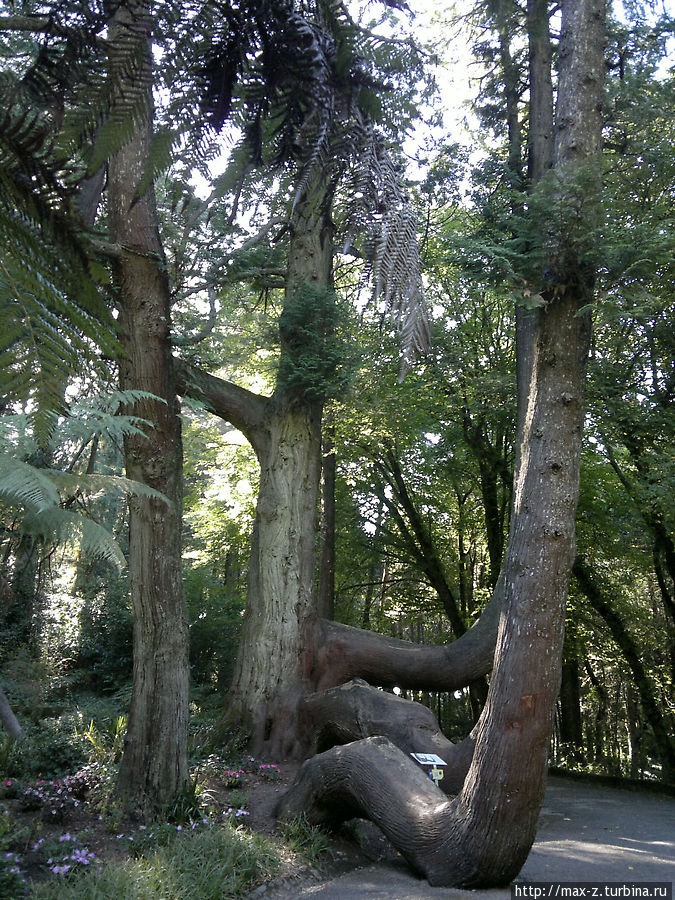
<point>483,836</point>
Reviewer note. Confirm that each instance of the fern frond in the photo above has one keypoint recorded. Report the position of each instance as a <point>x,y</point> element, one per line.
<point>64,527</point>
<point>69,483</point>
<point>23,485</point>
<point>378,214</point>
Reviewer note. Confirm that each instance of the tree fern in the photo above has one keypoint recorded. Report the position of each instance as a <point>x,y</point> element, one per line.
<point>52,314</point>
<point>308,103</point>
<point>45,503</point>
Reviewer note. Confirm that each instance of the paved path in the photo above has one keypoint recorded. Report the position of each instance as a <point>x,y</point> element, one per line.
<point>586,833</point>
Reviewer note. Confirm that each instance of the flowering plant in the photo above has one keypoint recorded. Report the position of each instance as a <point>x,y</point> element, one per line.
<point>70,856</point>
<point>58,797</point>
<point>233,777</point>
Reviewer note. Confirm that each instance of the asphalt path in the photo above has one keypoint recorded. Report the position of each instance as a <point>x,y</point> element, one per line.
<point>587,833</point>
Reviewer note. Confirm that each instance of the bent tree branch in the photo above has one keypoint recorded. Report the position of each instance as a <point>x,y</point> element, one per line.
<point>483,836</point>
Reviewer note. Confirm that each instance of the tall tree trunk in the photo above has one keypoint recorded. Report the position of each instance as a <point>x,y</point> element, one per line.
<point>154,764</point>
<point>571,733</point>
<point>326,598</point>
<point>274,657</point>
<point>482,838</point>
<point>272,661</point>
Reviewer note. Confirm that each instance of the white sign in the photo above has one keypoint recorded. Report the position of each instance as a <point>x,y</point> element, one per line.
<point>428,759</point>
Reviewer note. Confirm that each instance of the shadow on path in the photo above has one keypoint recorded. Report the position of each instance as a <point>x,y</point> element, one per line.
<point>586,833</point>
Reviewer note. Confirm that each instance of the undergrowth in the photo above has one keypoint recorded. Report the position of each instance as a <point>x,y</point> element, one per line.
<point>215,864</point>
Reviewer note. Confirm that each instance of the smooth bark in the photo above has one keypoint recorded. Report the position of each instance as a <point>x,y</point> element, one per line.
<point>8,719</point>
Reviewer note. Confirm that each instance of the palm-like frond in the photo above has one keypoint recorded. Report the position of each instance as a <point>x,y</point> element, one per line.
<point>309,99</point>
<point>377,214</point>
<point>34,495</point>
<point>39,501</point>
<point>23,485</point>
<point>65,527</point>
<point>52,314</point>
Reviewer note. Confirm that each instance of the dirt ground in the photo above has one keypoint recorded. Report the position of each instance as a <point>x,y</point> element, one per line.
<point>587,833</point>
<point>45,840</point>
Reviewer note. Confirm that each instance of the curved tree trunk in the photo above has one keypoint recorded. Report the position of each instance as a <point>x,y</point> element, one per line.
<point>355,711</point>
<point>8,719</point>
<point>483,836</point>
<point>154,766</point>
<point>343,652</point>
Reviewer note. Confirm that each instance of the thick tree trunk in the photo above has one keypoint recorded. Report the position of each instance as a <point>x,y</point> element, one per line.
<point>273,659</point>
<point>344,652</point>
<point>355,711</point>
<point>326,589</point>
<point>275,649</point>
<point>154,765</point>
<point>482,837</point>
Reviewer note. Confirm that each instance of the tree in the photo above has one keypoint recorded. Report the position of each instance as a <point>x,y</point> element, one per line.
<point>482,837</point>
<point>320,101</point>
<point>154,765</point>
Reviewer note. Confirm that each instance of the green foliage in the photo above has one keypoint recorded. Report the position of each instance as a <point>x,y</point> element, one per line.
<point>52,310</point>
<point>106,742</point>
<point>12,881</point>
<point>215,623</point>
<point>307,840</point>
<point>316,361</point>
<point>49,749</point>
<point>105,641</point>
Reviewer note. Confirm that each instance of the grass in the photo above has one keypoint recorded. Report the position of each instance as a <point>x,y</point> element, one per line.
<point>304,839</point>
<point>218,863</point>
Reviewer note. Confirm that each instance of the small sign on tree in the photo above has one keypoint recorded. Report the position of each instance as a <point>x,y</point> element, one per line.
<point>432,763</point>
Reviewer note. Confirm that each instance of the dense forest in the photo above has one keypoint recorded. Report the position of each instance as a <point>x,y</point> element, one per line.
<point>332,423</point>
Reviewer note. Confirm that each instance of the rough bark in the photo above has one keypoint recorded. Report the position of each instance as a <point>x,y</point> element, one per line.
<point>154,764</point>
<point>483,836</point>
<point>326,588</point>
<point>355,711</point>
<point>540,136</point>
<point>274,655</point>
<point>272,665</point>
<point>540,160</point>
